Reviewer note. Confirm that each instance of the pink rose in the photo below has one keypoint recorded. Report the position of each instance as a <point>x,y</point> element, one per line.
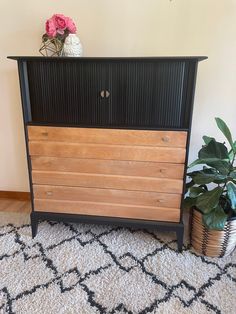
<point>60,21</point>
<point>51,28</point>
<point>60,31</point>
<point>71,26</point>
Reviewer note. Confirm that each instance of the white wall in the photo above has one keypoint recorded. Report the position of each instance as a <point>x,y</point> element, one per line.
<point>122,28</point>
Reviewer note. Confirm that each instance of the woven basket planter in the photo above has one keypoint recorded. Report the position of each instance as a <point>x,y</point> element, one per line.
<point>212,243</point>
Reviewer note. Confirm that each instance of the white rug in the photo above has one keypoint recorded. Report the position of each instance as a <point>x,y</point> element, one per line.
<point>80,269</point>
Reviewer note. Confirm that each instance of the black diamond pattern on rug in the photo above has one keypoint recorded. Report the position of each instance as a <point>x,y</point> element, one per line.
<point>78,268</point>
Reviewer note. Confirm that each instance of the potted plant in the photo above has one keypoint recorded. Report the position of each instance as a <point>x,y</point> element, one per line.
<point>211,194</point>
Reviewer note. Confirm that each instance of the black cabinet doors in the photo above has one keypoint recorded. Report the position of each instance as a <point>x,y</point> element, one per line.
<point>148,94</point>
<point>112,93</point>
<point>68,93</point>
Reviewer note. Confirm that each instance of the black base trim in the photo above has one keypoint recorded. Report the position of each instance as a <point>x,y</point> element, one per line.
<point>34,224</point>
<point>125,222</point>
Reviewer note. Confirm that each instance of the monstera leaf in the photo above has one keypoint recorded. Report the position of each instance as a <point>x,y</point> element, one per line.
<point>215,219</point>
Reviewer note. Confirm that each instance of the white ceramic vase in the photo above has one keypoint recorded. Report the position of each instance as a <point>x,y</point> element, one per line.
<point>72,46</point>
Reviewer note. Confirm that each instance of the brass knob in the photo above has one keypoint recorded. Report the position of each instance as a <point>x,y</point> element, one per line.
<point>166,139</point>
<point>105,93</point>
<point>102,93</point>
<point>49,193</point>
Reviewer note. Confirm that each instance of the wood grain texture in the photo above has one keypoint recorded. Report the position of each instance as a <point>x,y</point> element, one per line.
<point>107,195</point>
<point>108,181</point>
<point>108,136</point>
<point>114,152</point>
<point>108,209</point>
<point>118,167</point>
<point>106,172</point>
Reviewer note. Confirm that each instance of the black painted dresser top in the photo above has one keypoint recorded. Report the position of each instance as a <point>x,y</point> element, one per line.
<point>137,92</point>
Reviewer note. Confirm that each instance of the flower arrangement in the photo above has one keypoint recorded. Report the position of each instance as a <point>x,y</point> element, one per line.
<point>58,27</point>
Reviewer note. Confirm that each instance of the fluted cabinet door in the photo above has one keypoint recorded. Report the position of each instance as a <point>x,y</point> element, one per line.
<point>118,93</point>
<point>148,94</point>
<point>68,93</point>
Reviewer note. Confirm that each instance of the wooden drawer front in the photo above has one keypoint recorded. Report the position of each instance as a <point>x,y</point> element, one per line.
<point>116,167</point>
<point>100,151</point>
<point>108,195</point>
<point>108,181</point>
<point>108,209</point>
<point>115,173</point>
<point>108,136</point>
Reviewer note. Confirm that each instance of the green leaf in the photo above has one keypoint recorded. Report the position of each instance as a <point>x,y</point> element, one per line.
<point>207,139</point>
<point>206,176</point>
<point>189,202</point>
<point>204,186</point>
<point>231,191</point>
<point>216,219</point>
<point>202,178</point>
<point>213,150</point>
<point>205,169</point>
<point>225,130</point>
<point>202,161</point>
<point>189,184</point>
<point>232,153</point>
<point>209,200</point>
<point>222,166</point>
<point>220,181</point>
<point>233,174</point>
<point>195,162</point>
<point>195,191</point>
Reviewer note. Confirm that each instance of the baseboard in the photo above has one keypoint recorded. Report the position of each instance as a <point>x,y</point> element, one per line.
<point>21,196</point>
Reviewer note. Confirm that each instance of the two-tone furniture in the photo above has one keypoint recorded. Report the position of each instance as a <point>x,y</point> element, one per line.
<point>107,138</point>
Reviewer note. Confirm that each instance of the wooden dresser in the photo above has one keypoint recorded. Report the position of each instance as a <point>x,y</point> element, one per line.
<point>107,138</point>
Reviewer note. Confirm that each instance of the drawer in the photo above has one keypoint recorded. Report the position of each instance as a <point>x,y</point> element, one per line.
<point>135,183</point>
<point>114,173</point>
<point>108,210</point>
<point>117,167</point>
<point>106,144</point>
<point>100,151</point>
<point>108,136</point>
<point>127,197</point>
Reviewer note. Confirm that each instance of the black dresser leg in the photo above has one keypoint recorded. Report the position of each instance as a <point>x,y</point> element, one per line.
<point>34,224</point>
<point>180,238</point>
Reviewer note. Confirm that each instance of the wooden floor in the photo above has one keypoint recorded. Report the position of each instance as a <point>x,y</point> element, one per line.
<point>12,205</point>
